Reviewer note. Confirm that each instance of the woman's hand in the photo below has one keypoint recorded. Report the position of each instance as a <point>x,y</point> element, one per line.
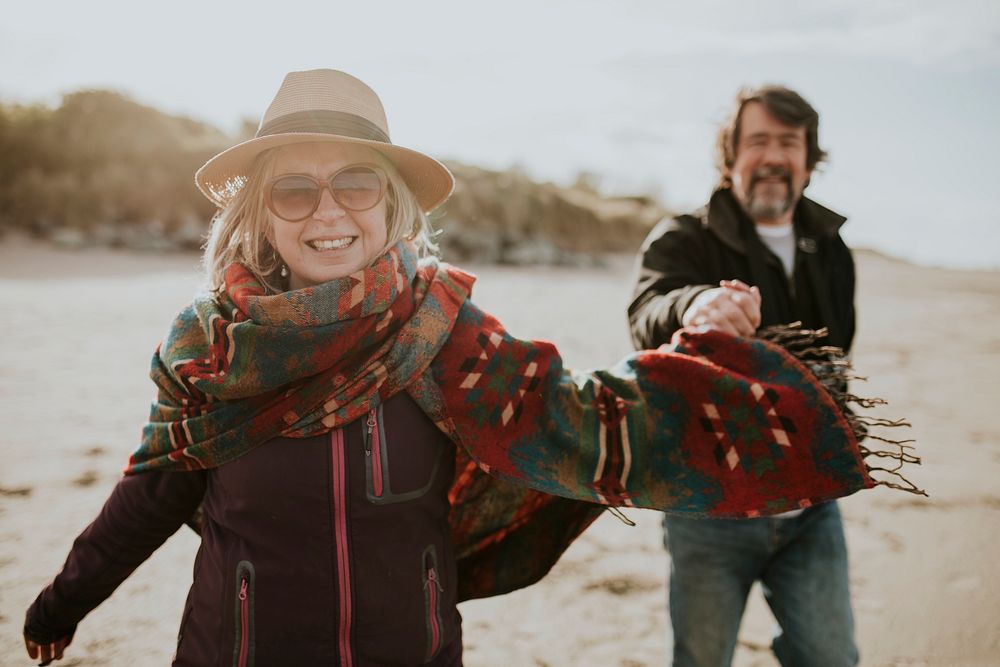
<point>46,652</point>
<point>733,307</point>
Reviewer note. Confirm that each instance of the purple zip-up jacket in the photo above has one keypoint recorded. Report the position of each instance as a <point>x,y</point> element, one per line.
<point>329,550</point>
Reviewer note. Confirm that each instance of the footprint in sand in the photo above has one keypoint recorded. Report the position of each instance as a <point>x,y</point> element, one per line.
<point>946,504</point>
<point>623,586</point>
<point>893,541</point>
<point>86,479</point>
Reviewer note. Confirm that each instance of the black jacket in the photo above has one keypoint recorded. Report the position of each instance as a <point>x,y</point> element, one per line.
<point>328,550</point>
<point>684,256</point>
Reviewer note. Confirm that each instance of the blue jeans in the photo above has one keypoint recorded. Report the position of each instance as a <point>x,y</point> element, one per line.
<point>801,562</point>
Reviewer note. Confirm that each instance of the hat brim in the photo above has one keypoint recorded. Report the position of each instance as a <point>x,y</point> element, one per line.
<point>221,178</point>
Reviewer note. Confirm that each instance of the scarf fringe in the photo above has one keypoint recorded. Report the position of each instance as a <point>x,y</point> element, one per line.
<point>830,365</point>
<point>618,514</point>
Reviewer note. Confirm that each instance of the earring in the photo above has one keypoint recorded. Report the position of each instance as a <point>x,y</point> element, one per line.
<point>284,271</point>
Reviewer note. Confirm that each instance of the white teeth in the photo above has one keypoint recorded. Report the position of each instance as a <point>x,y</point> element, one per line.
<point>331,244</point>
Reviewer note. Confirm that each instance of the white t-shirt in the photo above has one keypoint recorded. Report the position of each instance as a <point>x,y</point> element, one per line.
<point>781,241</point>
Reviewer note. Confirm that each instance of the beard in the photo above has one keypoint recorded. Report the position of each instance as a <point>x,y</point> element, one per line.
<point>766,205</point>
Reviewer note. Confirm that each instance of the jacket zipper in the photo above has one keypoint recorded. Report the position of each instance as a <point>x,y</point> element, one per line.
<point>432,591</point>
<point>244,624</point>
<point>374,450</point>
<point>243,651</point>
<point>339,487</point>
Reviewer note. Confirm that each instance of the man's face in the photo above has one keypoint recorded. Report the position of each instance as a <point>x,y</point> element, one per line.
<point>769,173</point>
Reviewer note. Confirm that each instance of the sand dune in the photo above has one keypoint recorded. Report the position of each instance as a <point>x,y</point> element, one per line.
<point>77,330</point>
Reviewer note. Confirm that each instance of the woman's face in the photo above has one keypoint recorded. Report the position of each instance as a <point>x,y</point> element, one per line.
<point>333,242</point>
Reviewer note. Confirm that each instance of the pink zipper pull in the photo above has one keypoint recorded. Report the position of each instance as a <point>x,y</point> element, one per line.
<point>244,623</point>
<point>372,423</point>
<point>432,576</point>
<point>433,622</point>
<point>375,450</point>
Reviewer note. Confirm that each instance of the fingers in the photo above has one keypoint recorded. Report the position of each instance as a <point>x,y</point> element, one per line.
<point>738,319</point>
<point>746,297</point>
<point>46,653</point>
<point>723,316</point>
<point>714,309</point>
<point>736,284</point>
<point>749,306</point>
<point>734,308</point>
<point>715,322</point>
<point>741,286</point>
<point>708,318</point>
<point>738,308</point>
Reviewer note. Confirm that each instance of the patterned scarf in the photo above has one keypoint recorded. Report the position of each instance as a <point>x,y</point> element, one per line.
<point>715,426</point>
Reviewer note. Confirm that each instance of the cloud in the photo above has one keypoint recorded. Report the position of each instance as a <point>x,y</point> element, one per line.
<point>920,33</point>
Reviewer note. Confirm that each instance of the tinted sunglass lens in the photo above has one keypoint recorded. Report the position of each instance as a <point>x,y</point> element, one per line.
<point>357,188</point>
<point>294,197</point>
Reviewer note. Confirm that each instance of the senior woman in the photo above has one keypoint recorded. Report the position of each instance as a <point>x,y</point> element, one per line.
<point>363,448</point>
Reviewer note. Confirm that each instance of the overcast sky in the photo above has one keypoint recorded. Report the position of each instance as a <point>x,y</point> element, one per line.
<point>908,91</point>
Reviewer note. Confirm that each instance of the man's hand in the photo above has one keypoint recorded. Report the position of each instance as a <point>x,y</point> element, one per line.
<point>733,307</point>
<point>46,652</point>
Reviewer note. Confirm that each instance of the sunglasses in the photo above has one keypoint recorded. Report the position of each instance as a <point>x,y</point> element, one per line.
<point>295,197</point>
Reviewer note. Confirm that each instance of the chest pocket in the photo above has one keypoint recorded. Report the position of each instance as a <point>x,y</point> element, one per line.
<point>403,454</point>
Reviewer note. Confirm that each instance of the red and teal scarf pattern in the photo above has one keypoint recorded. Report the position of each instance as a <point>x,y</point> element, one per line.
<point>714,426</point>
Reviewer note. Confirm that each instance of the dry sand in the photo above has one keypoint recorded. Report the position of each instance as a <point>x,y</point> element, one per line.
<point>77,330</point>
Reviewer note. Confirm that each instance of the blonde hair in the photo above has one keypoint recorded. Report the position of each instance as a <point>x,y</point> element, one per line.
<point>239,231</point>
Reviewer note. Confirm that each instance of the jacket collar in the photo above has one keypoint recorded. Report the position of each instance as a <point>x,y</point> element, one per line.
<point>723,217</point>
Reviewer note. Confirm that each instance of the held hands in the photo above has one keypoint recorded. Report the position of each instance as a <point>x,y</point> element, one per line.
<point>733,307</point>
<point>46,652</point>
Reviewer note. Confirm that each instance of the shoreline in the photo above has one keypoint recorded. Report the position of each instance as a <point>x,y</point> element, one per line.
<point>14,245</point>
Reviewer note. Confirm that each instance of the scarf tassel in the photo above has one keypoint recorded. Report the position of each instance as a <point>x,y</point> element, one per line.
<point>834,370</point>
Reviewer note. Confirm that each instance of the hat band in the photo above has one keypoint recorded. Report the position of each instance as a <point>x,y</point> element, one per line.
<point>325,122</point>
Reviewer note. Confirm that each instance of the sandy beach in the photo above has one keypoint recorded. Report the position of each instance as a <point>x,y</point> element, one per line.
<point>77,330</point>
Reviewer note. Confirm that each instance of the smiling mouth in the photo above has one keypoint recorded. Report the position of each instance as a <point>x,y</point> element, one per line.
<point>331,244</point>
<point>771,176</point>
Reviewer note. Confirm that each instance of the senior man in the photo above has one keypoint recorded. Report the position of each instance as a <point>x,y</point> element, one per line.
<point>758,254</point>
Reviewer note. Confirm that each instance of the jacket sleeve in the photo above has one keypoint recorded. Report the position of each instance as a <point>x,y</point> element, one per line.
<point>141,513</point>
<point>656,430</point>
<point>673,269</point>
<point>850,279</point>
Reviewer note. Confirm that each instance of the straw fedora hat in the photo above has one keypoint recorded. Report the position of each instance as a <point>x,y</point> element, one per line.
<point>324,105</point>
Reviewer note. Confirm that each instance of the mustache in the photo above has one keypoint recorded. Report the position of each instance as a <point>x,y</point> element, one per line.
<point>771,172</point>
